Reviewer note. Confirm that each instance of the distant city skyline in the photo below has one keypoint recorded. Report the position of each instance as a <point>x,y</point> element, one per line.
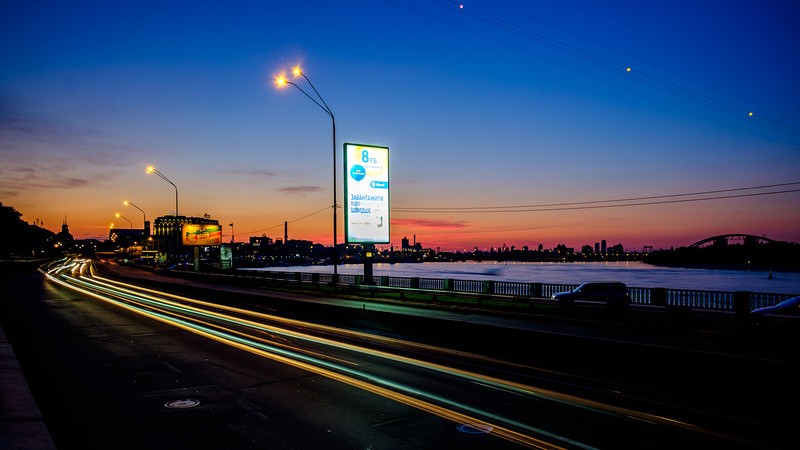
<point>601,246</point>
<point>507,122</point>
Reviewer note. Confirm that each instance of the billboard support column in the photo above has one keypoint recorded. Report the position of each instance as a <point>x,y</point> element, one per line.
<point>197,259</point>
<point>369,256</point>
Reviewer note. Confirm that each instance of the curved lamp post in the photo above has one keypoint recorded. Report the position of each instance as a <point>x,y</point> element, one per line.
<point>151,169</point>
<point>281,82</point>
<point>120,216</point>
<point>144,218</point>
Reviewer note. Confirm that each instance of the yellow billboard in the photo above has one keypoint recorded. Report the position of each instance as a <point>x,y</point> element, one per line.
<point>201,234</point>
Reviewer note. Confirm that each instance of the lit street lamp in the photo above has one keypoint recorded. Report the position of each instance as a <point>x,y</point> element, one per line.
<point>120,216</point>
<point>151,169</point>
<point>144,218</point>
<point>281,82</point>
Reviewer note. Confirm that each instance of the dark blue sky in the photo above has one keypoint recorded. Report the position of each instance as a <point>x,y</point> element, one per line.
<point>518,104</point>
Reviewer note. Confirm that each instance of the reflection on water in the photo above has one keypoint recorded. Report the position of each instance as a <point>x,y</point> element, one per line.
<point>632,273</point>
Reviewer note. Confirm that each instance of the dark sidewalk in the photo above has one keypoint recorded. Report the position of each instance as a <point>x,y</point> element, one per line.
<point>21,423</point>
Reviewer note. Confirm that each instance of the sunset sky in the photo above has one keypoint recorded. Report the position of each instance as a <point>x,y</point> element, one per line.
<point>507,122</point>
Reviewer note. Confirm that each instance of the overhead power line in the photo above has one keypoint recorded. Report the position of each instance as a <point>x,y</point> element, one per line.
<point>289,221</point>
<point>578,205</point>
<point>610,203</point>
<point>586,204</point>
<point>608,63</point>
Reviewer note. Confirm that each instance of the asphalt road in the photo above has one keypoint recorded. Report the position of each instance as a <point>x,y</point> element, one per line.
<point>105,377</point>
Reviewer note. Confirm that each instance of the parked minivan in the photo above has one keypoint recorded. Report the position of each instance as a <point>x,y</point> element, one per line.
<point>613,293</point>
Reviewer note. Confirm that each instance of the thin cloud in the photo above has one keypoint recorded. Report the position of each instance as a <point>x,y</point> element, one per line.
<point>300,190</point>
<point>248,173</point>
<point>38,154</point>
<point>26,134</point>
<point>429,223</point>
<point>19,178</point>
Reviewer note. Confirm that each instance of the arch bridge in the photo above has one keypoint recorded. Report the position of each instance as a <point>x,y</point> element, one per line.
<point>731,239</point>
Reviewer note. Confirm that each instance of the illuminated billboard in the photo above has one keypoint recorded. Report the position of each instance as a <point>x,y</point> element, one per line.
<point>366,191</point>
<point>201,234</point>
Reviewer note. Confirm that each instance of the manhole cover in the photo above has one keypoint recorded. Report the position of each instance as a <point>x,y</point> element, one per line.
<point>475,428</point>
<point>182,404</point>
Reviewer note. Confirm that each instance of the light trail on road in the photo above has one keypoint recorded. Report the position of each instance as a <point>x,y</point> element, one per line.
<point>330,352</point>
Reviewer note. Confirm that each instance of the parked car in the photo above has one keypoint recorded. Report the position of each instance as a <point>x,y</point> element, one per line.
<point>613,293</point>
<point>788,307</point>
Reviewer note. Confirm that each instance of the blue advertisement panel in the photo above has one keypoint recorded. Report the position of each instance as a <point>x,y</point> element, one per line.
<point>366,190</point>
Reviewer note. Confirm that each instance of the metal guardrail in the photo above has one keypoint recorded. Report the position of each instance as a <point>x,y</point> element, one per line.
<point>737,301</point>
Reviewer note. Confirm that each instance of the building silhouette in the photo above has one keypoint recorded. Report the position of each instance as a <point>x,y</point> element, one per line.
<point>64,237</point>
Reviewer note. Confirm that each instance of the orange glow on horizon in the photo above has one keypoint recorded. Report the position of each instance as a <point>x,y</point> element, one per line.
<point>469,238</point>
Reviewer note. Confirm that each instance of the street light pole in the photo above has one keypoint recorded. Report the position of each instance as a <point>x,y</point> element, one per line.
<point>144,218</point>
<point>282,81</point>
<point>177,230</point>
<point>151,169</point>
<point>120,216</point>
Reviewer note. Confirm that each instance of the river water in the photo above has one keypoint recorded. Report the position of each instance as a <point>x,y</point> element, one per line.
<point>632,273</point>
